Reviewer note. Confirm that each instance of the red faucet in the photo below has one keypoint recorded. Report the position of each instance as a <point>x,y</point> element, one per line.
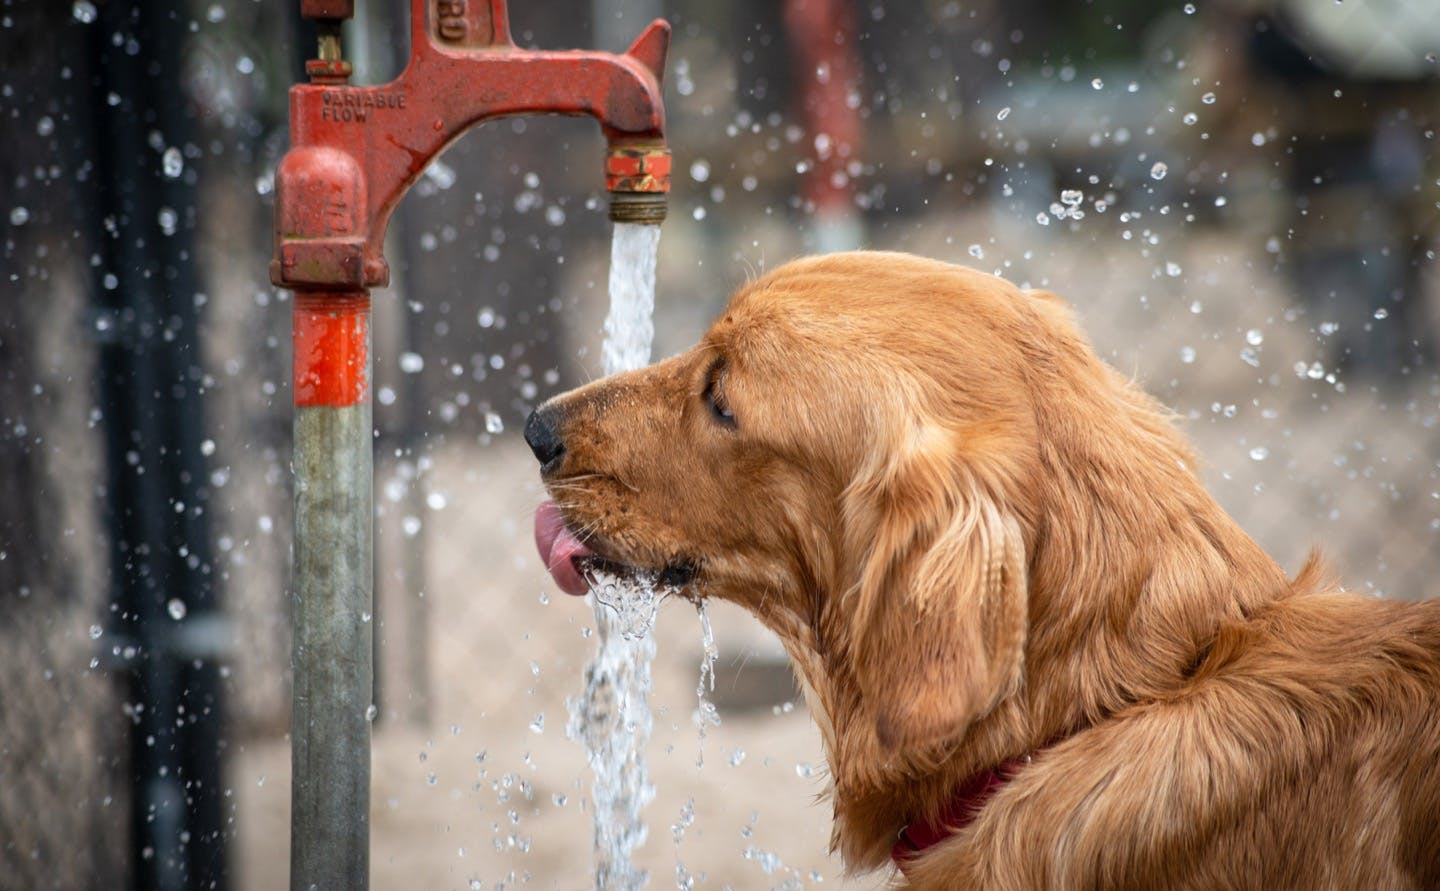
<point>356,149</point>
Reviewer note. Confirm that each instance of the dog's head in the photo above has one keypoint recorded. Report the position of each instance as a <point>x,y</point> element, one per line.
<point>850,454</point>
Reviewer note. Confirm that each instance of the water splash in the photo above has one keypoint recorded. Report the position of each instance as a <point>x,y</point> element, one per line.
<point>632,599</point>
<point>612,717</point>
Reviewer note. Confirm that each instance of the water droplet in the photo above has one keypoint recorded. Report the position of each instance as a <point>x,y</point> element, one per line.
<point>45,126</point>
<point>371,712</point>
<point>96,631</point>
<point>1187,355</point>
<point>737,757</point>
<point>176,608</point>
<point>19,215</point>
<point>436,501</point>
<point>1190,118</point>
<point>1257,139</point>
<point>172,163</point>
<point>486,317</point>
<point>700,170</point>
<point>167,218</point>
<point>1072,197</point>
<point>441,174</point>
<point>1259,453</point>
<point>410,526</point>
<point>411,363</point>
<point>538,725</point>
<point>1003,113</point>
<point>977,251</point>
<point>1172,269</point>
<point>1382,313</point>
<point>804,770</point>
<point>84,11</point>
<point>1158,170</point>
<point>493,423</point>
<point>1189,8</point>
<point>1097,84</point>
<point>1208,98</point>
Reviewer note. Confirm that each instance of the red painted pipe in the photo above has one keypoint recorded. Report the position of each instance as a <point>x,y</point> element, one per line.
<point>827,68</point>
<point>332,348</point>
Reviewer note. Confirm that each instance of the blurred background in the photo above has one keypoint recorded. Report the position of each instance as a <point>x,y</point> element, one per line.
<point>1241,198</point>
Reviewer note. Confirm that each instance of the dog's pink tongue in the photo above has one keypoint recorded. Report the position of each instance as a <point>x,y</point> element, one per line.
<point>559,548</point>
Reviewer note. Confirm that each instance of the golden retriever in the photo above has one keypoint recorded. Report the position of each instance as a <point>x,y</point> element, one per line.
<point>1039,654</point>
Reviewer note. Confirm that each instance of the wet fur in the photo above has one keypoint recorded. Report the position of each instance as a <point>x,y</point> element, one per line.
<point>974,538</point>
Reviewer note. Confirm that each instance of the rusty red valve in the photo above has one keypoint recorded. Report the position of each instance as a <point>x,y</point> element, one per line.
<point>357,149</point>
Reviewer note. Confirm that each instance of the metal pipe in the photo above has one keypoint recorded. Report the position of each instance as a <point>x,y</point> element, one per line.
<point>332,593</point>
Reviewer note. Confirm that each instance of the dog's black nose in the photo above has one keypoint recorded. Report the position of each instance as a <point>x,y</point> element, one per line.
<point>543,438</point>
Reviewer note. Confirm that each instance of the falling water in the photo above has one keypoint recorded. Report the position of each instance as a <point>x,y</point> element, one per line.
<point>612,717</point>
<point>706,714</point>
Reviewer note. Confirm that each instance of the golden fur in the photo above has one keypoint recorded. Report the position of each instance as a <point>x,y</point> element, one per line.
<point>974,538</point>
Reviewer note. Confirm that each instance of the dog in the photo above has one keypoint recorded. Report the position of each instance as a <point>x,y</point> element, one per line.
<point>1040,655</point>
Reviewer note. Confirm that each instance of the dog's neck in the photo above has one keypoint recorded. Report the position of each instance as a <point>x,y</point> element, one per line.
<point>958,812</point>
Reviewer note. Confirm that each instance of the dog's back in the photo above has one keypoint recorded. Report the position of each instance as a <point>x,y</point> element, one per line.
<point>1304,754</point>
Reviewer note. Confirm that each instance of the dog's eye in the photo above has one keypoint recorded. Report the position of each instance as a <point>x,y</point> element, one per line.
<point>714,397</point>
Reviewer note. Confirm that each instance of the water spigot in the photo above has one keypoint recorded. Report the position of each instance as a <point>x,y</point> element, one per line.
<point>357,149</point>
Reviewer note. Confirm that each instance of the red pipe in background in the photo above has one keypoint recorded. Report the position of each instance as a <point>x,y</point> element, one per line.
<point>355,150</point>
<point>823,40</point>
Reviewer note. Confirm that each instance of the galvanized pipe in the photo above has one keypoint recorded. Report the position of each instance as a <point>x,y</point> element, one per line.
<point>332,600</point>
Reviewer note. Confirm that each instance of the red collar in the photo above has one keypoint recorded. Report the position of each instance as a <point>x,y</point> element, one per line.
<point>958,813</point>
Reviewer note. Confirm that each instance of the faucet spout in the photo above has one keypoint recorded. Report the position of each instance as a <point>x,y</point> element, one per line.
<point>357,149</point>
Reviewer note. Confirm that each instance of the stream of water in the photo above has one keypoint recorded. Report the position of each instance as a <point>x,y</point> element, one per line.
<point>612,716</point>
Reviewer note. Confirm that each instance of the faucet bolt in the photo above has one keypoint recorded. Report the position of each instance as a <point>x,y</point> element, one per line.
<point>638,177</point>
<point>638,168</point>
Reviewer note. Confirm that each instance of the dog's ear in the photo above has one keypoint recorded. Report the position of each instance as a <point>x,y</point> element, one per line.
<point>941,610</point>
